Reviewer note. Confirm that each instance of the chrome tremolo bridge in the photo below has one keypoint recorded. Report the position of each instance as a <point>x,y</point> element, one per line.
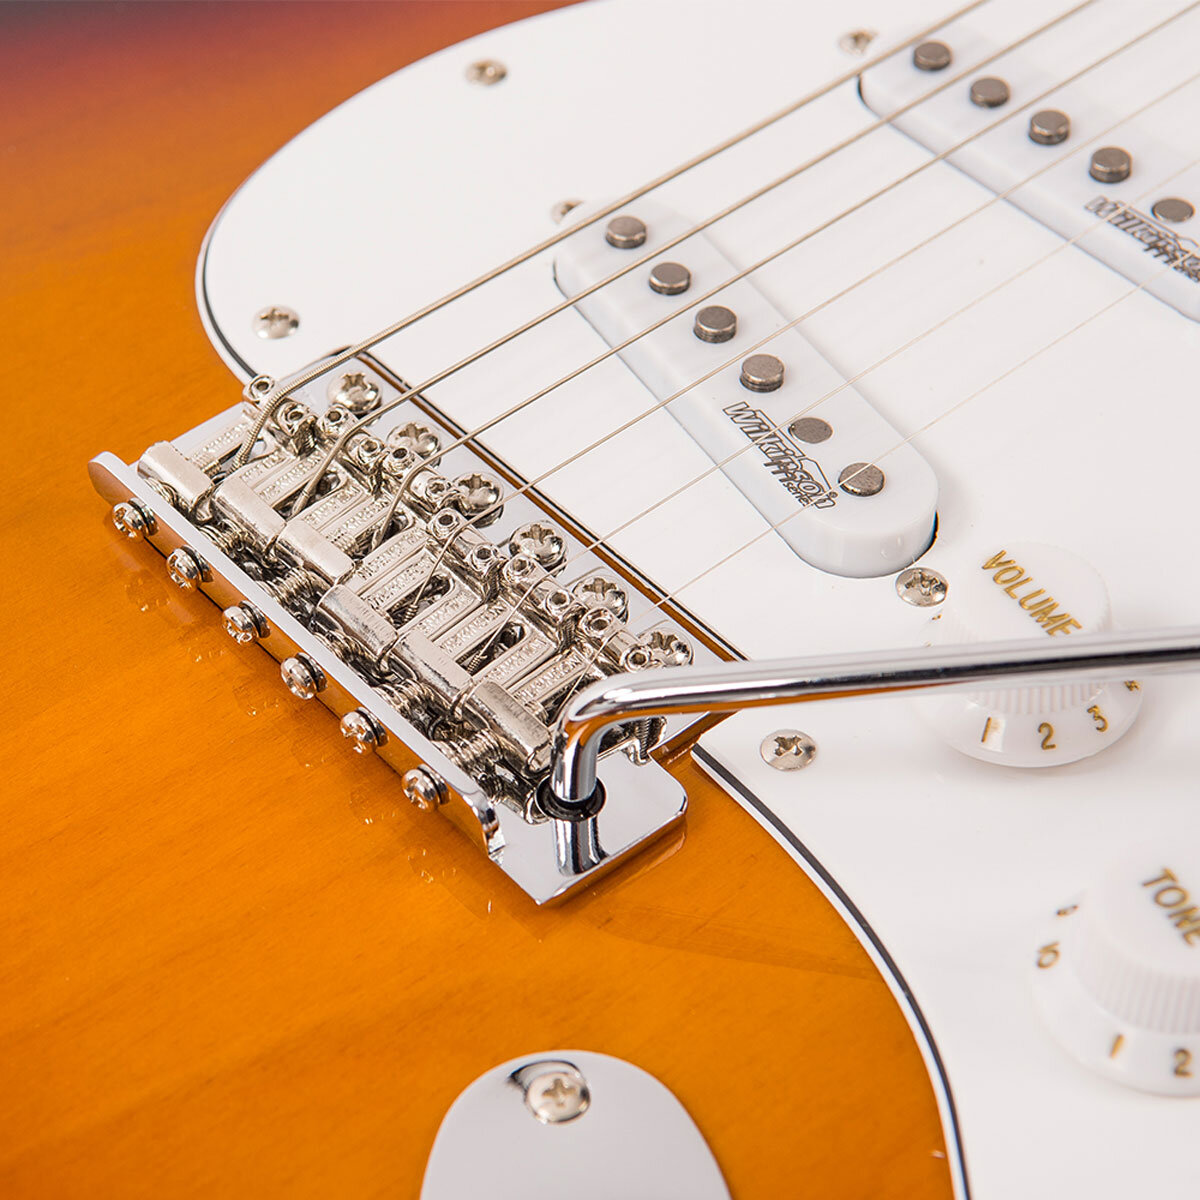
<point>438,620</point>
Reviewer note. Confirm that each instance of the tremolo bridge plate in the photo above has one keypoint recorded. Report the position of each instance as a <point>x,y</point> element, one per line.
<point>439,631</point>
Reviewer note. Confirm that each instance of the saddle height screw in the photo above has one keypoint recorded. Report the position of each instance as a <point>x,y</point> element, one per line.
<point>921,587</point>
<point>486,72</point>
<point>424,788</point>
<point>555,1092</point>
<point>276,321</point>
<point>788,750</point>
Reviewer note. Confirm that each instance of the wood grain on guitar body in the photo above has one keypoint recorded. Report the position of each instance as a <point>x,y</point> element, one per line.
<point>591,376</point>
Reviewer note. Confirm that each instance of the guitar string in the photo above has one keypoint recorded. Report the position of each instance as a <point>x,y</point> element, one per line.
<point>850,382</point>
<point>269,394</point>
<point>308,491</point>
<point>757,266</point>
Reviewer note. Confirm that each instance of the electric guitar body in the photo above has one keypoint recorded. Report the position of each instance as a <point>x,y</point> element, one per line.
<point>707,335</point>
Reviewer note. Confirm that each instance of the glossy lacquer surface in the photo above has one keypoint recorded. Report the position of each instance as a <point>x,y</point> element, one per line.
<point>234,961</point>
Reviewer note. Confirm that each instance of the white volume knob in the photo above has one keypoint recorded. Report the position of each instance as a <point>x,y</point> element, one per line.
<point>1118,976</point>
<point>1019,591</point>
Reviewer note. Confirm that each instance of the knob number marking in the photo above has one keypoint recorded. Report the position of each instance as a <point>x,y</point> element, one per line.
<point>1183,1063</point>
<point>1175,899</point>
<point>1100,719</point>
<point>1048,955</point>
<point>1047,732</point>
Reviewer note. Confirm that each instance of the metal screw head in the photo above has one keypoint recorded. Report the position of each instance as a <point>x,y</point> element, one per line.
<point>762,373</point>
<point>424,788</point>
<point>302,676</point>
<point>541,542</point>
<point>788,750</point>
<point>244,623</point>
<point>1110,164</point>
<point>932,56</point>
<point>554,1092</point>
<point>811,430</point>
<point>486,72</point>
<point>625,233</point>
<point>856,41</point>
<point>355,391</point>
<point>1049,127</point>
<point>861,479</point>
<point>476,494</point>
<point>186,568</point>
<point>716,323</point>
<point>363,730</point>
<point>133,519</point>
<point>598,591</point>
<point>1173,209</point>
<point>669,648</point>
<point>416,439</point>
<point>276,321</point>
<point>921,586</point>
<point>670,278</point>
<point>989,92</point>
<point>560,210</point>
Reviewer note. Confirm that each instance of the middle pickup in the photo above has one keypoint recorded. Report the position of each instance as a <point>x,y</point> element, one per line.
<point>831,476</point>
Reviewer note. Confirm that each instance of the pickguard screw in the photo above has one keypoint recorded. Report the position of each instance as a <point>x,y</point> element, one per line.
<point>363,730</point>
<point>555,1092</point>
<point>133,519</point>
<point>856,41</point>
<point>486,72</point>
<point>186,568</point>
<point>244,623</point>
<point>424,789</point>
<point>788,750</point>
<point>302,676</point>
<point>921,587</point>
<point>276,321</point>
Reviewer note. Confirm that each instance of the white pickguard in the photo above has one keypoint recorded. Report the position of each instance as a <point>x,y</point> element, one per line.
<point>424,180</point>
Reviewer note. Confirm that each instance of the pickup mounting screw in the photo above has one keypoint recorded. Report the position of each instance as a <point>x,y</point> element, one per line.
<point>486,72</point>
<point>276,321</point>
<point>1049,127</point>
<point>555,1092</point>
<point>541,542</point>
<point>625,233</point>
<point>244,623</point>
<point>788,750</point>
<point>1110,164</point>
<point>560,210</point>
<point>355,391</point>
<point>187,569</point>
<point>133,519</point>
<point>932,56</point>
<point>302,676</point>
<point>862,479</point>
<point>424,788</point>
<point>921,587</point>
<point>856,41</point>
<point>363,730</point>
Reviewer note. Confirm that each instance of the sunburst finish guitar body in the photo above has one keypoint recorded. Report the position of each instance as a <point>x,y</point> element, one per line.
<point>618,344</point>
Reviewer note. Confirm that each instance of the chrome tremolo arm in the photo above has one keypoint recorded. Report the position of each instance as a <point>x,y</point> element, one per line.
<point>741,685</point>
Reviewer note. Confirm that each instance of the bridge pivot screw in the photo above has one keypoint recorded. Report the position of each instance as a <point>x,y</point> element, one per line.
<point>244,623</point>
<point>424,788</point>
<point>187,569</point>
<point>363,730</point>
<point>133,519</point>
<point>302,676</point>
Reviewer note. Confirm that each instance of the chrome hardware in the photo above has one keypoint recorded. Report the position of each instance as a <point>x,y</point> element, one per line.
<point>363,730</point>
<point>486,72</point>
<point>384,597</point>
<point>244,623</point>
<point>921,587</point>
<point>186,568</point>
<point>587,716</point>
<point>276,321</point>
<point>302,676</point>
<point>555,1092</point>
<point>132,519</point>
<point>788,750</point>
<point>424,789</point>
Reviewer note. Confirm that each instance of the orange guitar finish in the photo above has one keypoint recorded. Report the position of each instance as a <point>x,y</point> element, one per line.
<point>235,962</point>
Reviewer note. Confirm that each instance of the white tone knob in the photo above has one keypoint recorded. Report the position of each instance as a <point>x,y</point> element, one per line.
<point>1117,977</point>
<point>1018,591</point>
